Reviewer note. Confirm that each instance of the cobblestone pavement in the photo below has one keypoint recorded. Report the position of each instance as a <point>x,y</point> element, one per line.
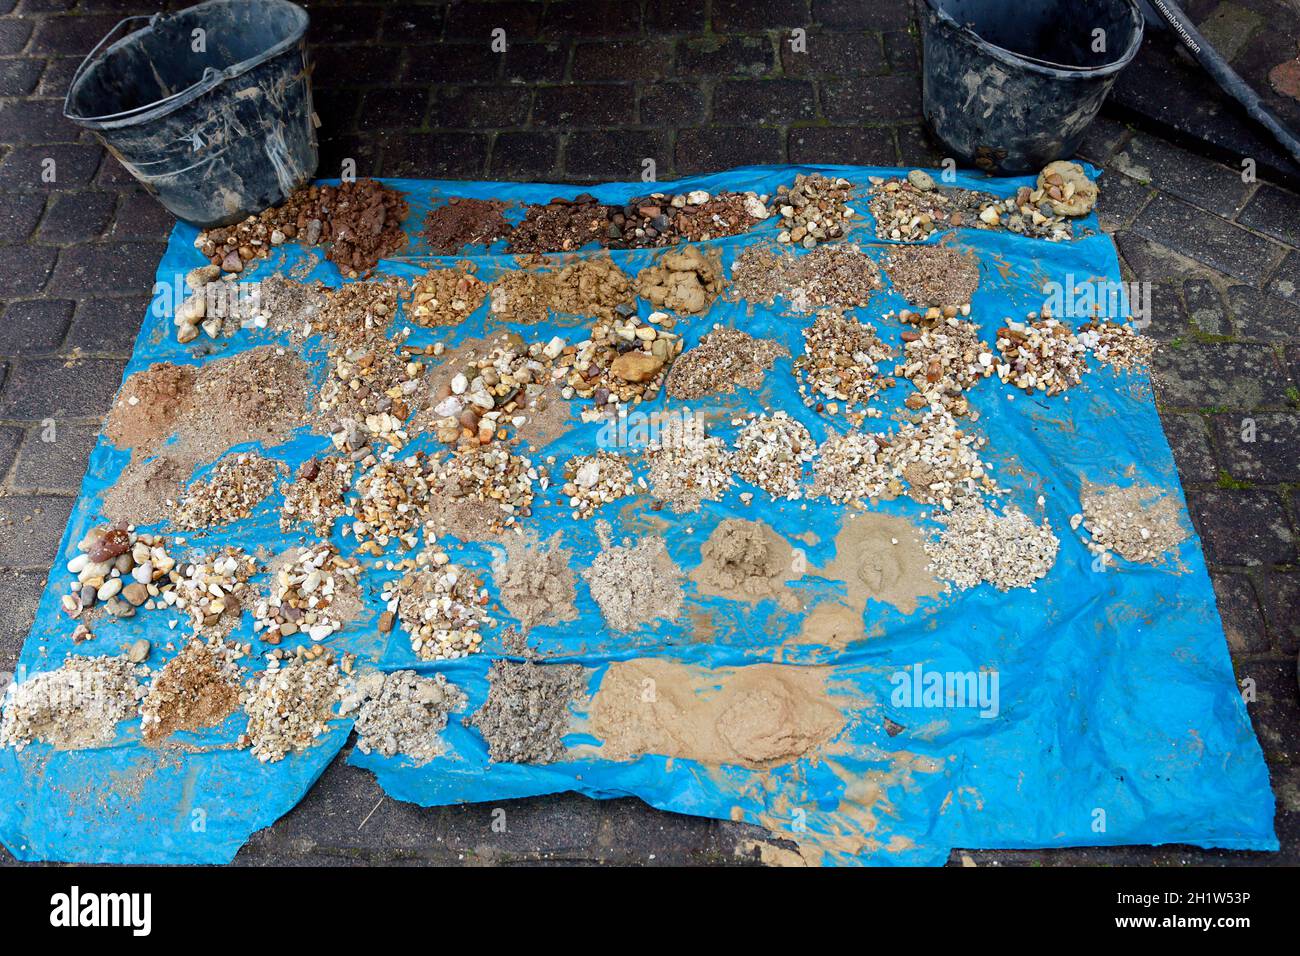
<point>585,91</point>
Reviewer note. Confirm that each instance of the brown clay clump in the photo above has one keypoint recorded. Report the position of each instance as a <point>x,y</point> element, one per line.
<point>685,281</point>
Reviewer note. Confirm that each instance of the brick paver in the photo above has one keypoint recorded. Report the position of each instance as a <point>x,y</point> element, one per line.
<point>587,91</point>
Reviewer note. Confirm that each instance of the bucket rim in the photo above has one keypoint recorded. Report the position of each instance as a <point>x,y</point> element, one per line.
<point>211,78</point>
<point>1020,61</point>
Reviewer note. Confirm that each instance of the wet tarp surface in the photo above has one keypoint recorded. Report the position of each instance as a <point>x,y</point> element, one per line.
<point>1116,721</point>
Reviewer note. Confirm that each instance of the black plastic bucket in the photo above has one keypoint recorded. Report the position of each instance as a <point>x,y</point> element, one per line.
<point>1011,85</point>
<point>210,108</point>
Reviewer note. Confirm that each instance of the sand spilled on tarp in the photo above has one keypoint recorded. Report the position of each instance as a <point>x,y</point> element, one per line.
<point>758,716</point>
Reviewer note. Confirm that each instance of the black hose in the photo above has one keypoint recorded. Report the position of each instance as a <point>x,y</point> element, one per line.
<point>1225,76</point>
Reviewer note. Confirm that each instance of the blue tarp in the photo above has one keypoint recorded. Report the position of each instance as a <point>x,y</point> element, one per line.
<point>1118,719</point>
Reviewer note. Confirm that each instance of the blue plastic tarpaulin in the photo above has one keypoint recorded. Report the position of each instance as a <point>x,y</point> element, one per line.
<point>1117,718</point>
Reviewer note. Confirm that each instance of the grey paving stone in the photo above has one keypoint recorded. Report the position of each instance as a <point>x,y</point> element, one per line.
<point>775,102</point>
<point>1189,440</point>
<point>1104,137</point>
<point>902,51</point>
<point>18,76</point>
<point>1285,281</point>
<point>582,106</point>
<point>1122,199</point>
<point>1274,212</point>
<point>1243,623</point>
<point>725,56</point>
<point>594,154</point>
<point>22,591</point>
<point>1280,595</point>
<point>672,104</point>
<point>743,15</point>
<point>1243,527</point>
<point>30,529</point>
<point>26,269</point>
<point>479,107</point>
<point>34,325</point>
<point>36,121</point>
<point>536,62</point>
<point>54,388</point>
<point>1206,375</point>
<point>1207,239</point>
<point>916,147</point>
<point>622,60</point>
<point>28,167</point>
<point>107,326</point>
<point>1262,447</point>
<point>1152,261</point>
<point>1183,174</point>
<point>436,155</point>
<point>853,15</point>
<point>871,98</point>
<point>71,34</point>
<point>1205,308</point>
<point>19,214</point>
<point>674,16</point>
<point>1276,712</point>
<point>14,35</point>
<point>862,145</point>
<point>581,18</point>
<point>77,217</point>
<point>525,154</point>
<point>395,108</point>
<point>561,826</point>
<point>636,833</point>
<point>11,436</point>
<point>835,54</point>
<point>1261,316</point>
<point>141,216</point>
<point>57,465</point>
<point>104,268</point>
<point>706,150</point>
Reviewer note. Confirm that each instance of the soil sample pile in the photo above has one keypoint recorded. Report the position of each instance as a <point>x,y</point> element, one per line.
<point>214,589</point>
<point>592,481</point>
<point>760,716</point>
<point>317,497</point>
<point>1117,345</point>
<point>726,360</point>
<point>401,713</point>
<point>1139,523</point>
<point>446,296</point>
<point>313,591</point>
<point>684,281</point>
<point>199,687</point>
<point>536,582</point>
<point>814,210</point>
<point>1040,355</point>
<point>442,608</point>
<point>746,561</point>
<point>661,219</point>
<point>526,713</point>
<point>634,584</point>
<point>465,222</point>
<point>290,705</point>
<point>74,707</point>
<point>361,221</point>
<point>237,485</point>
<point>912,209</point>
<point>562,225</point>
<point>933,275</point>
<point>853,467</point>
<point>593,287</point>
<point>939,460</point>
<point>687,465</point>
<point>771,452</point>
<point>1007,550</point>
<point>841,364</point>
<point>840,276</point>
<point>150,405</point>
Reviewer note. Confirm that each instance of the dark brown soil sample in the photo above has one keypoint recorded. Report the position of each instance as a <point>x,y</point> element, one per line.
<point>464,222</point>
<point>149,405</point>
<point>562,225</point>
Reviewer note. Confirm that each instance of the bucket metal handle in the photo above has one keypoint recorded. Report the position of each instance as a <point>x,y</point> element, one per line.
<point>211,76</point>
<point>67,99</point>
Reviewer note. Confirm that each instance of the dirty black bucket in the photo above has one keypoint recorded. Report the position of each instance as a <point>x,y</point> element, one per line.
<point>210,107</point>
<point>1011,86</point>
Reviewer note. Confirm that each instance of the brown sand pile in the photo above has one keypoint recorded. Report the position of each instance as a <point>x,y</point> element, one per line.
<point>933,275</point>
<point>255,396</point>
<point>759,716</point>
<point>526,714</point>
<point>465,222</point>
<point>536,582</point>
<point>726,360</point>
<point>746,561</point>
<point>878,557</point>
<point>593,287</point>
<point>199,687</point>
